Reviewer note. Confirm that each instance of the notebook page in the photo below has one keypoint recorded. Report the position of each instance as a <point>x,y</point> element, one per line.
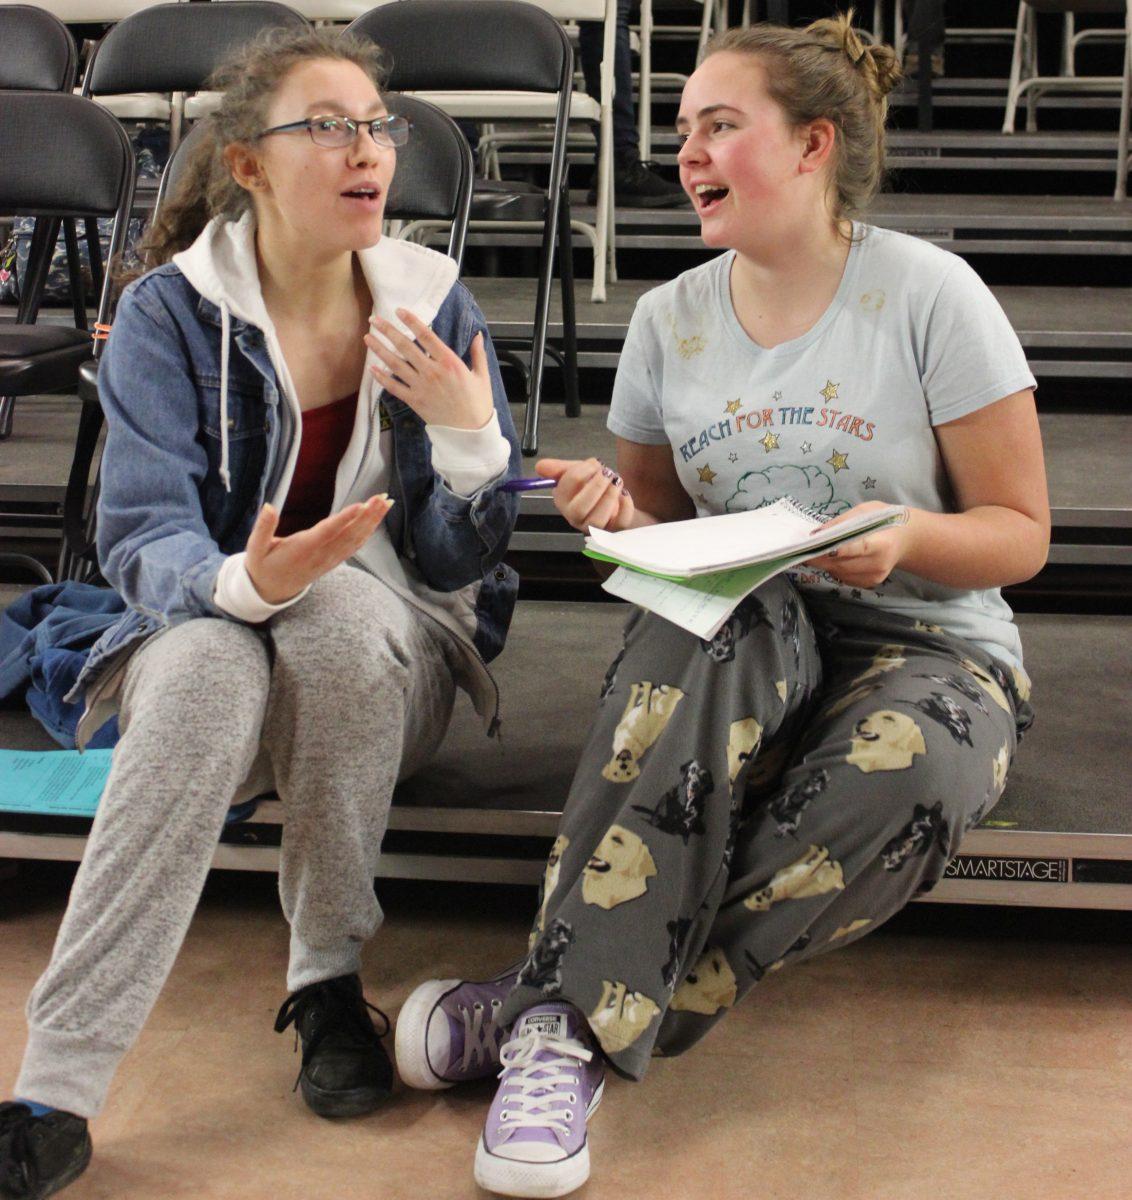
<point>700,606</point>
<point>707,543</point>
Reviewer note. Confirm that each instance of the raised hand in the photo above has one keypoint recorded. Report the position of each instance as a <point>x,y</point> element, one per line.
<point>588,493</point>
<point>429,376</point>
<point>281,567</point>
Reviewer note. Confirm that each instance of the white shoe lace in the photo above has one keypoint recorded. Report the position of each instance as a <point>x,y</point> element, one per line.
<point>532,1100</point>
<point>480,1037</point>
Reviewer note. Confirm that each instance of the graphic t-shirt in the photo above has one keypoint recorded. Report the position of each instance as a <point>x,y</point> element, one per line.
<point>839,416</point>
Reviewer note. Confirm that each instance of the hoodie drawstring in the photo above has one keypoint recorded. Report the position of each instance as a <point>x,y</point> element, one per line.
<point>225,333</point>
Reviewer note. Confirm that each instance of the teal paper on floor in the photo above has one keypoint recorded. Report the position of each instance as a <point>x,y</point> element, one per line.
<point>63,783</point>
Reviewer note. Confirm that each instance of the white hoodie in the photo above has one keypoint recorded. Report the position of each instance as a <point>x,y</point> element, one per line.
<point>221,265</point>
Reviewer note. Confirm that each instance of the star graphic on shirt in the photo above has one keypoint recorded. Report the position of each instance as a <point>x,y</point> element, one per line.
<point>733,457</point>
<point>706,474</point>
<point>830,390</point>
<point>870,482</point>
<point>769,442</point>
<point>777,396</point>
<point>807,448</point>
<point>838,461</point>
<point>701,499</point>
<point>733,407</point>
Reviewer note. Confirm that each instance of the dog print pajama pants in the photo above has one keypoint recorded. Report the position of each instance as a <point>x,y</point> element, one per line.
<point>751,801</point>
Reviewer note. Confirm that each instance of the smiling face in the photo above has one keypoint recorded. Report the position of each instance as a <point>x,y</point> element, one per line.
<point>748,172</point>
<point>328,199</point>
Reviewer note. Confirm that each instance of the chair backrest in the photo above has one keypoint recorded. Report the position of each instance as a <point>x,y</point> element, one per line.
<point>434,172</point>
<point>433,179</point>
<point>331,10</point>
<point>37,52</point>
<point>473,45</point>
<point>94,12</point>
<point>63,156</point>
<point>175,47</point>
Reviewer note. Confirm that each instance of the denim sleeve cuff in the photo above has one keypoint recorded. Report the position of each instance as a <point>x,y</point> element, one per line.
<point>469,459</point>
<point>237,596</point>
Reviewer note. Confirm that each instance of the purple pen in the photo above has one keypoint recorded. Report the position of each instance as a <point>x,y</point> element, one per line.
<point>527,485</point>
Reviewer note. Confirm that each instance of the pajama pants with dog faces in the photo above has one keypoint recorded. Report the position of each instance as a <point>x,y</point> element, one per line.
<point>746,803</point>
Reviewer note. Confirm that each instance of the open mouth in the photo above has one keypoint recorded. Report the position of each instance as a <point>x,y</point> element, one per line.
<point>597,865</point>
<point>368,195</point>
<point>709,197</point>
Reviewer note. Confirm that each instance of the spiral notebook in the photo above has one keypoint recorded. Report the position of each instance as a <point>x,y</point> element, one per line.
<point>694,573</point>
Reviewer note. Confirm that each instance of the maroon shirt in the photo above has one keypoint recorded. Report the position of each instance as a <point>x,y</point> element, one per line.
<point>326,434</point>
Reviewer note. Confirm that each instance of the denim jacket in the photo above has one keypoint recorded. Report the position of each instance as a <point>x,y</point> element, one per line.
<point>203,428</point>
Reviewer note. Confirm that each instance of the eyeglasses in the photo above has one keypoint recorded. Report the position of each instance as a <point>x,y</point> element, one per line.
<point>336,132</point>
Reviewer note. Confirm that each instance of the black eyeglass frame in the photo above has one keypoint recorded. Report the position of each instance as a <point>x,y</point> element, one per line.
<point>396,129</point>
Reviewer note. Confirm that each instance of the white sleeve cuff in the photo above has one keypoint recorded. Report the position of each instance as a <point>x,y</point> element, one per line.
<point>469,459</point>
<point>237,596</point>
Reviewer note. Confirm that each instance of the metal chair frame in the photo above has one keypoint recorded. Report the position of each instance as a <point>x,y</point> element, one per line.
<point>1025,82</point>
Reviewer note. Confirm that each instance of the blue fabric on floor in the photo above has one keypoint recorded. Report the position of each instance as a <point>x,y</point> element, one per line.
<point>45,636</point>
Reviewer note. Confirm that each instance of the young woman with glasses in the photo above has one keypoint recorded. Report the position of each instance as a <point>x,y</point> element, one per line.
<point>301,508</point>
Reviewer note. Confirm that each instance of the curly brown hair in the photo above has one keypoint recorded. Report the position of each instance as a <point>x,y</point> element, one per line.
<point>827,70</point>
<point>247,82</point>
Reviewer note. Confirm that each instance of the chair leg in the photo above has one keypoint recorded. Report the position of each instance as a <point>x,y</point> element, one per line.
<point>1121,192</point>
<point>1015,71</point>
<point>1032,50</point>
<point>538,340</point>
<point>7,408</point>
<point>75,270</point>
<point>644,93</point>
<point>705,24</point>
<point>1068,45</point>
<point>569,319</point>
<point>94,249</point>
<point>79,500</point>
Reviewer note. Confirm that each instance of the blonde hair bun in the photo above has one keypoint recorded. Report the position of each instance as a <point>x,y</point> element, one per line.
<point>876,62</point>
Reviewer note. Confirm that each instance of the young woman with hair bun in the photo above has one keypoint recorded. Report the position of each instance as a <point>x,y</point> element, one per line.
<point>745,803</point>
<point>300,506</point>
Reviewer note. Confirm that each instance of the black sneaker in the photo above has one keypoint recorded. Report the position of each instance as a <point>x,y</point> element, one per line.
<point>638,184</point>
<point>40,1156</point>
<point>345,1070</point>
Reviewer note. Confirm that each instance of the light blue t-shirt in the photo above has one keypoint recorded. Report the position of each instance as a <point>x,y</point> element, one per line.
<point>841,415</point>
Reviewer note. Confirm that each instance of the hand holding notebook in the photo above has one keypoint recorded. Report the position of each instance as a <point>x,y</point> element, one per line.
<point>696,572</point>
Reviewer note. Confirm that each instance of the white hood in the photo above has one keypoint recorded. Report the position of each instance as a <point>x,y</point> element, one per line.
<point>221,265</point>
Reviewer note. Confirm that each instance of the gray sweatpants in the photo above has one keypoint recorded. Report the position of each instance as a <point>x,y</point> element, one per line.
<point>331,702</point>
<point>749,802</point>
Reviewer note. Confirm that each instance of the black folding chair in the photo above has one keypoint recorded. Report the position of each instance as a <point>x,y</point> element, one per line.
<point>173,48</point>
<point>498,46</point>
<point>64,158</point>
<point>433,181</point>
<point>37,53</point>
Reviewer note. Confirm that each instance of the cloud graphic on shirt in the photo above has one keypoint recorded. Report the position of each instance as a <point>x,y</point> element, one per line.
<point>809,486</point>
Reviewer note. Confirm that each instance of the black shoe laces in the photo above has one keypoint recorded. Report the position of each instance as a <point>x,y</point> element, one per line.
<point>19,1167</point>
<point>338,1011</point>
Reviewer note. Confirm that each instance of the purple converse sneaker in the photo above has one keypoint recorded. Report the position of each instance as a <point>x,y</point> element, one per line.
<point>446,1031</point>
<point>534,1142</point>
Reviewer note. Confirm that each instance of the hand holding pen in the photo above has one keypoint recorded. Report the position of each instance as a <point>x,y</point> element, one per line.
<point>586,492</point>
